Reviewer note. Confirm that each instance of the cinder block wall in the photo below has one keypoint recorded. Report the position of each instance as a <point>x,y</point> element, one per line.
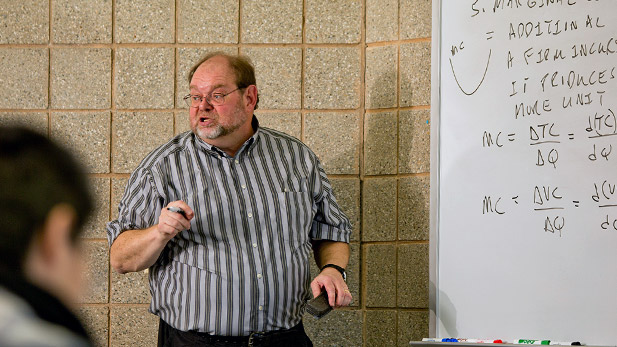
<point>351,78</point>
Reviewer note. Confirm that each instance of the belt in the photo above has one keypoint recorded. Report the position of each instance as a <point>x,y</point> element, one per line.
<point>257,338</point>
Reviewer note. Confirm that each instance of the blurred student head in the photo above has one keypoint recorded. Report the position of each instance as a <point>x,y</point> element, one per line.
<point>44,202</point>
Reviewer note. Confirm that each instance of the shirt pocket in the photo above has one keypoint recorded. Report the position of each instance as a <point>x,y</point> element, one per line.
<point>296,212</point>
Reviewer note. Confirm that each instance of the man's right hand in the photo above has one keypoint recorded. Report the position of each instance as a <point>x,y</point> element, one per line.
<point>136,250</point>
<point>171,223</point>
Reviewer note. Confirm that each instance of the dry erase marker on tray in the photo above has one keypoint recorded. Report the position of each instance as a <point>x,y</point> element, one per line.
<point>533,342</point>
<point>575,343</point>
<point>431,339</point>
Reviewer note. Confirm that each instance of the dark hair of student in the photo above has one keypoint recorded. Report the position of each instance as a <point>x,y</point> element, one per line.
<point>35,175</point>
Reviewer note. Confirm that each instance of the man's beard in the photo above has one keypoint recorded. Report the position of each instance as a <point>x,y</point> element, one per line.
<point>216,131</point>
<point>219,130</point>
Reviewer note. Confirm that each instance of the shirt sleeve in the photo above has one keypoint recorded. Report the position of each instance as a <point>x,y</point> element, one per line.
<point>139,208</point>
<point>330,222</point>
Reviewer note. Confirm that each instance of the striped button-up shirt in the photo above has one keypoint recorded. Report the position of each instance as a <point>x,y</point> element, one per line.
<point>243,266</point>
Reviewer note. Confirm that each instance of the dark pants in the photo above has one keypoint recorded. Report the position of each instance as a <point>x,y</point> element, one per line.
<point>171,337</point>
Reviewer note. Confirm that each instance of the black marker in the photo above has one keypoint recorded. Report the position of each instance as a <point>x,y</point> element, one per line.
<point>177,210</point>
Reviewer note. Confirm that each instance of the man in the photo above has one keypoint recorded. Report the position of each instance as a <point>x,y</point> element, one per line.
<point>44,201</point>
<point>231,268</point>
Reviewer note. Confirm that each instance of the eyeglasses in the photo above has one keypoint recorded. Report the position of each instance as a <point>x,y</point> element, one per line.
<point>214,98</point>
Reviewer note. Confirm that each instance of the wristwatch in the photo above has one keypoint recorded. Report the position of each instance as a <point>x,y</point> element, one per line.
<point>340,269</point>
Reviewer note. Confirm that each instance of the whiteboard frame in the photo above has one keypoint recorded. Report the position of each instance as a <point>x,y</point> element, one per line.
<point>435,172</point>
<point>434,167</point>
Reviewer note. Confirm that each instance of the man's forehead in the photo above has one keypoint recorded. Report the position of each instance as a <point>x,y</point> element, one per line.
<point>212,87</point>
<point>215,65</point>
<point>213,73</point>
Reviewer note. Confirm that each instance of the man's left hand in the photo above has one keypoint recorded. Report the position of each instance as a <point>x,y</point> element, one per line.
<point>332,281</point>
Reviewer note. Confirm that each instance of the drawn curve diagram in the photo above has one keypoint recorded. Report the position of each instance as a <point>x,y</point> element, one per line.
<point>488,61</point>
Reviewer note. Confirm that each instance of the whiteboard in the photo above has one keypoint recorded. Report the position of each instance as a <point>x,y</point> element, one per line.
<point>524,170</point>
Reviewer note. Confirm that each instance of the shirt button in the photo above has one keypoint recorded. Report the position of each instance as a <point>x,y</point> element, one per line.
<point>250,215</point>
<point>261,307</point>
<point>254,245</point>
<point>258,275</point>
<point>237,162</point>
<point>243,186</point>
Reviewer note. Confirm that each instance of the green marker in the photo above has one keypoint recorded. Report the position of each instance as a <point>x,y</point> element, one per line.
<point>533,342</point>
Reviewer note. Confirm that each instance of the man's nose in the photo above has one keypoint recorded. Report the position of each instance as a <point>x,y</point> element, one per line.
<point>205,105</point>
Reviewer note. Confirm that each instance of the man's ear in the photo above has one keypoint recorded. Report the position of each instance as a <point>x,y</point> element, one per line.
<point>56,232</point>
<point>251,96</point>
<point>51,262</point>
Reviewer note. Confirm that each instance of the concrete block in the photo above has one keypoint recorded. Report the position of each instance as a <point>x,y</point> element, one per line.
<point>36,121</point>
<point>337,328</point>
<point>332,78</point>
<point>415,19</point>
<point>135,135</point>
<point>87,134</point>
<point>380,328</point>
<point>380,78</point>
<point>347,193</point>
<point>208,21</point>
<point>96,321</point>
<point>144,78</point>
<point>81,21</point>
<point>333,21</point>
<point>379,199</point>
<point>181,122</point>
<point>380,280</point>
<point>414,153</point>
<point>381,20</point>
<point>334,137</point>
<point>414,208</point>
<point>24,77</point>
<point>133,324</point>
<point>24,22</point>
<point>278,72</point>
<point>272,21</point>
<point>81,78</point>
<point>415,63</point>
<point>412,281</point>
<point>95,227</point>
<point>130,288</point>
<point>412,326</point>
<point>145,21</point>
<point>380,141</point>
<point>118,186</point>
<point>96,269</point>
